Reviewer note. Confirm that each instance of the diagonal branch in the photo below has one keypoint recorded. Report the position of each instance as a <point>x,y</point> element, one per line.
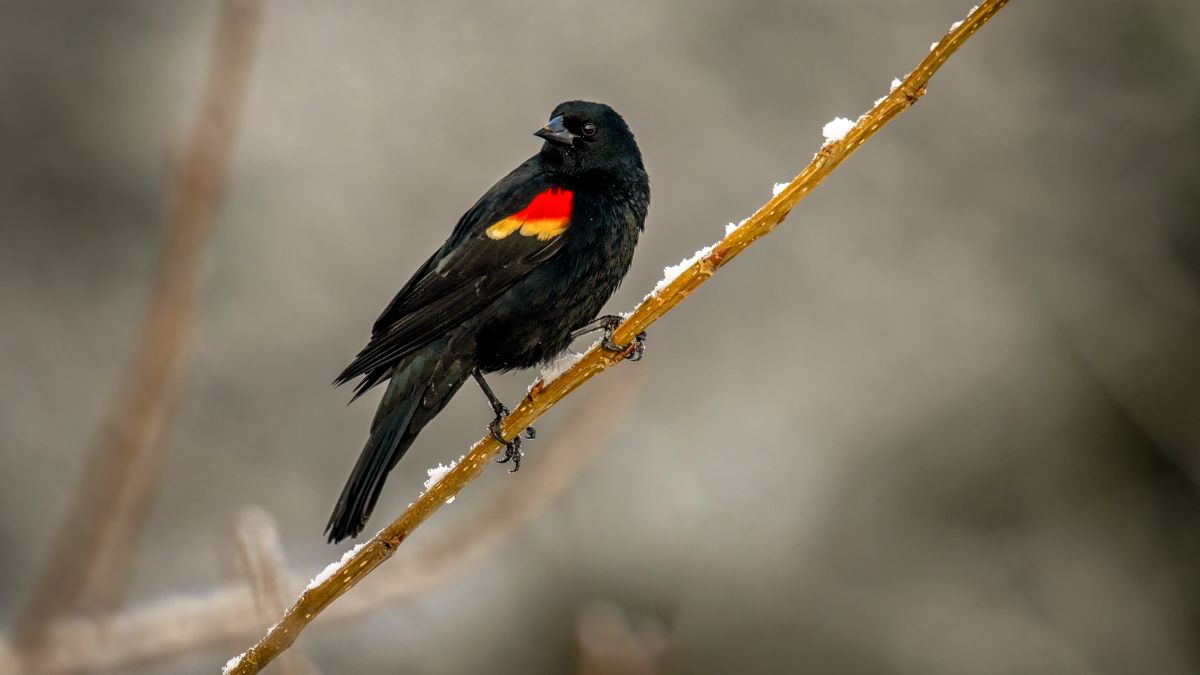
<point>90,557</point>
<point>543,395</point>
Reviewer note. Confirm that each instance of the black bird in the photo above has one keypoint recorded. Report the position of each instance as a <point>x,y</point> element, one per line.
<point>525,271</point>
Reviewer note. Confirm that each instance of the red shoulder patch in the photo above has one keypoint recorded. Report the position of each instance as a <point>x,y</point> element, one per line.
<point>546,217</point>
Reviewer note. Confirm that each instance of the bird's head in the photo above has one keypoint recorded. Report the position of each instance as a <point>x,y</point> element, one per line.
<point>582,137</point>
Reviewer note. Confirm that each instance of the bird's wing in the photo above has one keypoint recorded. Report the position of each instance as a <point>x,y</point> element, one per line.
<point>510,232</point>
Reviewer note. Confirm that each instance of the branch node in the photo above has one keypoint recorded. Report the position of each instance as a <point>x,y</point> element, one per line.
<point>912,96</point>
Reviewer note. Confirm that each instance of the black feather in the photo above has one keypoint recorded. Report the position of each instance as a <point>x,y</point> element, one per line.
<point>420,387</point>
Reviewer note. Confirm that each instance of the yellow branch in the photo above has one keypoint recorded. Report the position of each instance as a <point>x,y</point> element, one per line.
<point>543,396</point>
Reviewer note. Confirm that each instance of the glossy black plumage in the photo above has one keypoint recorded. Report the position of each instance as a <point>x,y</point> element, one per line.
<point>493,301</point>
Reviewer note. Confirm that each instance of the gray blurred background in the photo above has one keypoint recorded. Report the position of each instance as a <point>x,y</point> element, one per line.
<point>945,420</point>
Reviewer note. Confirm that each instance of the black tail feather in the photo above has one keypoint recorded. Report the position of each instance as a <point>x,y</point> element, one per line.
<point>420,387</point>
<point>385,447</point>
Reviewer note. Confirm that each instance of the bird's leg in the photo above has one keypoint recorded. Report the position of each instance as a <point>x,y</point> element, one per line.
<point>512,449</point>
<point>608,324</point>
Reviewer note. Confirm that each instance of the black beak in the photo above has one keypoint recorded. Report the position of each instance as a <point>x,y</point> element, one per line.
<point>554,131</point>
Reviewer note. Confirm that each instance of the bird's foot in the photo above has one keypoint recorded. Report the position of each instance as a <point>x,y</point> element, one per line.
<point>512,449</point>
<point>608,324</point>
<point>633,351</point>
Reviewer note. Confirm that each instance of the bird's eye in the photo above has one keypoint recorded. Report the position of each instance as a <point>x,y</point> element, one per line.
<point>589,129</point>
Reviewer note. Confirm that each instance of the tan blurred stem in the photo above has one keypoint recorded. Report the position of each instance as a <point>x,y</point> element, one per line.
<point>613,641</point>
<point>543,396</point>
<point>89,561</point>
<point>159,631</point>
<point>262,558</point>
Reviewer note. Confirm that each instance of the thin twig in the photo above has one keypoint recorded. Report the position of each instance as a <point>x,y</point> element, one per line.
<point>543,396</point>
<point>89,560</point>
<point>159,631</point>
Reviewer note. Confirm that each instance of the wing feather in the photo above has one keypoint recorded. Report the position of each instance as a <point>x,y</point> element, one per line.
<point>467,274</point>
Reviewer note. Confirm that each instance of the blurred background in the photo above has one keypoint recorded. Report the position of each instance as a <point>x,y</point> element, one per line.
<point>945,419</point>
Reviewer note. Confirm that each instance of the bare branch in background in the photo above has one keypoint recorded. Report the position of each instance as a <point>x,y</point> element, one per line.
<point>262,557</point>
<point>88,565</point>
<point>160,631</point>
<point>613,641</point>
<point>543,395</point>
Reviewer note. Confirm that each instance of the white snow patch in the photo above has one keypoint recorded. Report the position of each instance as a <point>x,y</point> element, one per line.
<point>233,663</point>
<point>973,10</point>
<point>836,129</point>
<point>731,226</point>
<point>332,568</point>
<point>553,369</point>
<point>672,272</point>
<point>437,473</point>
<point>895,85</point>
<point>954,26</point>
<point>779,187</point>
<point>932,46</point>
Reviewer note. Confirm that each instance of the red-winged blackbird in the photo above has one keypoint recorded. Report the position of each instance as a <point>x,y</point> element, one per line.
<point>523,273</point>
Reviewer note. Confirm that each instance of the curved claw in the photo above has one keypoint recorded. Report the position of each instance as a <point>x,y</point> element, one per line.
<point>639,347</point>
<point>512,453</point>
<point>512,449</point>
<point>633,351</point>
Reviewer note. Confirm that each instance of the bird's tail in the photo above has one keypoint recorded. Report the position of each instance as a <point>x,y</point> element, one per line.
<point>421,385</point>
